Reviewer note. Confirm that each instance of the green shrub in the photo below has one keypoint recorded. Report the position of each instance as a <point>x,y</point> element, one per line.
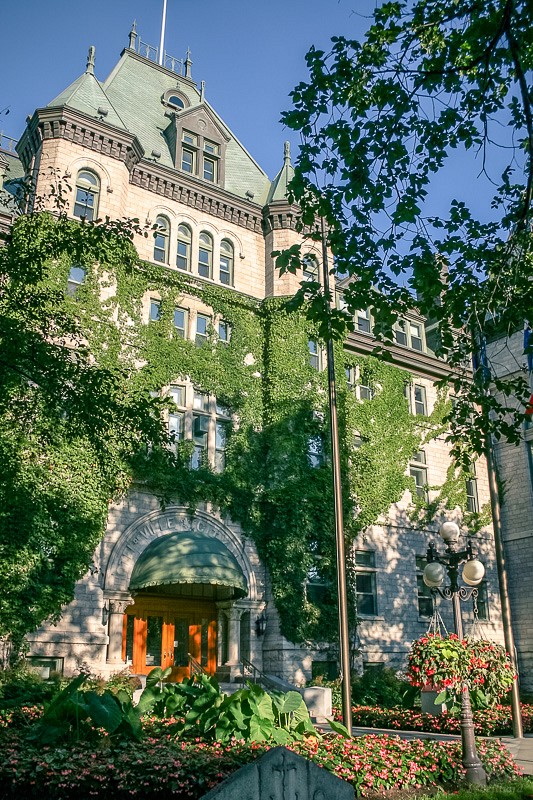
<point>23,686</point>
<point>383,688</point>
<point>202,710</point>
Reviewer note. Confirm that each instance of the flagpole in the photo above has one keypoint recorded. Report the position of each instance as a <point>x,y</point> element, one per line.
<point>162,40</point>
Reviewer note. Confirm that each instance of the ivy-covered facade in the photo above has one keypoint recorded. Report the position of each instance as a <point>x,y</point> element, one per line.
<point>219,552</point>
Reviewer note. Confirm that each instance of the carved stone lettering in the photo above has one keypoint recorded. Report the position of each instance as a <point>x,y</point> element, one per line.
<point>282,775</point>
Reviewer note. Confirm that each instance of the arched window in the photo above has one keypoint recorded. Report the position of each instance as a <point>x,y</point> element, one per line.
<point>174,100</point>
<point>87,192</point>
<point>161,236</point>
<point>183,255</point>
<point>205,255</point>
<point>226,262</point>
<point>310,268</point>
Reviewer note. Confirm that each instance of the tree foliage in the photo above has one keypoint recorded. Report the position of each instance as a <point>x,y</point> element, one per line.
<point>79,424</point>
<point>379,119</point>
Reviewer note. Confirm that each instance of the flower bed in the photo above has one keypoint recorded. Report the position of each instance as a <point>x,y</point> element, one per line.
<point>487,722</point>
<point>159,767</point>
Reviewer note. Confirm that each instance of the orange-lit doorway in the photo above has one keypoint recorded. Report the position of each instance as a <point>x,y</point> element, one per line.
<point>163,632</point>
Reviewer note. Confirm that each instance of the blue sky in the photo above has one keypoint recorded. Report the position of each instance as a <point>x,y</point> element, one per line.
<point>250,53</point>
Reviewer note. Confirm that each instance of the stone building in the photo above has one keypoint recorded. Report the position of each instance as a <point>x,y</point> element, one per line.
<point>167,589</point>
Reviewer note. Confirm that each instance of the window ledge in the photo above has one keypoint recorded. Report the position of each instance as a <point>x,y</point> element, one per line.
<point>371,618</point>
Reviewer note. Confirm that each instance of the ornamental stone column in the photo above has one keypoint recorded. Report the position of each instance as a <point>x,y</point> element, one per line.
<point>234,640</point>
<point>114,628</point>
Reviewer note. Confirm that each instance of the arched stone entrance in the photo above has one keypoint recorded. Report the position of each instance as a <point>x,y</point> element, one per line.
<point>177,590</point>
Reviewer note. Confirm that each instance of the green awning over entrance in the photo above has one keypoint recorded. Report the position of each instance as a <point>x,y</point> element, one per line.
<point>187,557</point>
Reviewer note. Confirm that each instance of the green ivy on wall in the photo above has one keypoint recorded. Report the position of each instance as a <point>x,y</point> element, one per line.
<point>68,451</point>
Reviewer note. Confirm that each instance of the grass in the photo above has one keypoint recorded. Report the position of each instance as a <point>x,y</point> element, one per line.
<point>519,789</point>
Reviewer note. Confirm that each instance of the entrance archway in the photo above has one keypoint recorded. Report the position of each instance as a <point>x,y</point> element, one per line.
<point>172,622</point>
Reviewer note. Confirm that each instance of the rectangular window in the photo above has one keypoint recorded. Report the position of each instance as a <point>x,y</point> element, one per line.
<point>224,331</point>
<point>315,450</point>
<point>211,147</point>
<point>180,322</point>
<point>420,476</point>
<point>362,321</point>
<point>202,324</point>
<point>400,333</point>
<point>187,161</point>
<point>472,500</point>
<point>177,394</point>
<point>350,377</point>
<point>176,426</point>
<point>200,429</point>
<point>190,138</point>
<point>210,170</point>
<point>415,332</point>
<point>155,310</point>
<point>75,279</point>
<point>365,579</point>
<point>200,401</point>
<point>221,432</point>
<point>314,354</point>
<point>222,410</point>
<point>204,262</point>
<point>424,596</point>
<point>421,408</point>
<point>364,391</point>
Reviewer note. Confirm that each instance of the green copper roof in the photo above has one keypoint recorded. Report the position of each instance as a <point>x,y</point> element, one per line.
<point>86,94</point>
<point>278,189</point>
<point>188,557</point>
<point>10,186</point>
<point>136,86</point>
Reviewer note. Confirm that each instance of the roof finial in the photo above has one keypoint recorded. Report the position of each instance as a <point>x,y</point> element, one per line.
<point>188,64</point>
<point>89,69</point>
<point>287,153</point>
<point>133,35</point>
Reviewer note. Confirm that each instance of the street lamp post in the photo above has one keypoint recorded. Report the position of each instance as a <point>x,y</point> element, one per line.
<point>437,568</point>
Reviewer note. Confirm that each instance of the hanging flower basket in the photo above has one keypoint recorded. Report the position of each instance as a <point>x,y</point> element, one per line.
<point>447,662</point>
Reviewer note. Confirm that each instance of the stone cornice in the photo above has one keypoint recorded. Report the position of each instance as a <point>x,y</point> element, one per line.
<point>280,214</point>
<point>62,122</point>
<point>194,193</point>
<point>423,364</point>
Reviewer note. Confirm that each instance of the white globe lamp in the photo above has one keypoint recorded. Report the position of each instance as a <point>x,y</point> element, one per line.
<point>434,574</point>
<point>473,572</point>
<point>449,531</point>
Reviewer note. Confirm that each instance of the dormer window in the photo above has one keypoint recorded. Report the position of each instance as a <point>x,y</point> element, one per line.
<point>211,155</point>
<point>188,152</point>
<point>200,145</point>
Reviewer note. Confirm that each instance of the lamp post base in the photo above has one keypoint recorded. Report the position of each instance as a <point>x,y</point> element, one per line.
<point>475,773</point>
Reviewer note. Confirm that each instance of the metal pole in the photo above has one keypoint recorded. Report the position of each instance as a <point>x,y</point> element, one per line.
<point>162,40</point>
<point>475,773</point>
<point>516,711</point>
<point>344,644</point>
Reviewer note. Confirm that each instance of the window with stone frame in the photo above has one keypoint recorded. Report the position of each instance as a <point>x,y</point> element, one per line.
<point>197,416</point>
<point>409,333</point>
<point>155,310</point>
<point>76,278</point>
<point>205,255</point>
<point>424,596</point>
<point>161,239</point>
<point>227,259</point>
<point>365,583</point>
<point>202,329</point>
<point>87,195</point>
<point>183,253</point>
<point>315,354</point>
<point>419,472</point>
<point>472,499</point>
<point>224,331</point>
<point>181,322</point>
<point>200,146</point>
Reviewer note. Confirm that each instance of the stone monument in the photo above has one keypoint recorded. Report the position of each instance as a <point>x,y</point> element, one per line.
<point>282,775</point>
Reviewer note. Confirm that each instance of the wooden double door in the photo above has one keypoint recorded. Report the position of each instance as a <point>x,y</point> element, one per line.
<point>162,632</point>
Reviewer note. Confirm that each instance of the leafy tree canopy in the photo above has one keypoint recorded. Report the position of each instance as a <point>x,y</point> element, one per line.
<point>71,418</point>
<point>379,119</point>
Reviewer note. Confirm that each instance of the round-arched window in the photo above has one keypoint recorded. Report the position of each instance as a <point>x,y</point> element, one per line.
<point>87,193</point>
<point>161,237</point>
<point>226,262</point>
